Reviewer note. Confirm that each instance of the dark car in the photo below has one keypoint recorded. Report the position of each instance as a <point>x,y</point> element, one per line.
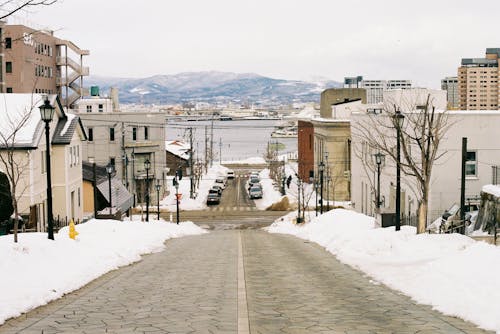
<point>213,198</point>
<point>216,190</point>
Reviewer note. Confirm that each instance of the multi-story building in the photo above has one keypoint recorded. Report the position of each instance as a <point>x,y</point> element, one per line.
<point>126,139</point>
<point>35,61</point>
<point>375,88</point>
<point>478,82</point>
<point>450,85</point>
<point>20,114</point>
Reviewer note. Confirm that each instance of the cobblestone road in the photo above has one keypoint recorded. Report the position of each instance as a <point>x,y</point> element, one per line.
<point>285,285</point>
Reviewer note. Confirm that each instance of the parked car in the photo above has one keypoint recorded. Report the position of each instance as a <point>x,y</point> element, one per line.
<point>213,198</point>
<point>216,188</point>
<point>221,181</point>
<point>255,192</point>
<point>230,174</point>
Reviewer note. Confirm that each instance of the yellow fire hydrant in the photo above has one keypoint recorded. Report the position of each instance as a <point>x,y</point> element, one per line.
<point>72,231</point>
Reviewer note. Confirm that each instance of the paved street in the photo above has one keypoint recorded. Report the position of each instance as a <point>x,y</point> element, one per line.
<point>285,285</point>
<point>236,279</point>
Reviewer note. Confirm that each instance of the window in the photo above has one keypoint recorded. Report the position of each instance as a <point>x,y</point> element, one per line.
<point>8,43</point>
<point>471,164</point>
<point>9,89</point>
<point>146,133</point>
<point>91,134</point>
<point>112,162</point>
<point>8,67</point>
<point>89,108</point>
<point>111,134</point>
<point>101,107</point>
<point>134,133</point>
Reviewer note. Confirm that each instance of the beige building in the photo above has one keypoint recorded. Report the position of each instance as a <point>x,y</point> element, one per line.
<point>126,139</point>
<point>35,61</point>
<point>66,137</point>
<point>478,82</point>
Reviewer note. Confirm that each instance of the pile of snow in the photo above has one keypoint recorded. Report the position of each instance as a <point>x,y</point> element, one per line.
<point>492,189</point>
<point>455,274</point>
<point>36,270</point>
<point>270,194</point>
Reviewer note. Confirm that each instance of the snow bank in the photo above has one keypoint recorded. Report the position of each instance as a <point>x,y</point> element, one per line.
<point>36,270</point>
<point>451,272</point>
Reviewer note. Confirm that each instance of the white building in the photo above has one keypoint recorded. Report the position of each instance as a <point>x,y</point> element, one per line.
<point>375,88</point>
<point>483,161</point>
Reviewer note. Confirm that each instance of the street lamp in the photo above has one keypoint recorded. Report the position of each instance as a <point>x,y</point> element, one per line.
<point>321,170</point>
<point>379,160</point>
<point>398,121</point>
<point>176,185</point>
<point>47,113</point>
<point>147,166</point>
<point>158,186</point>
<point>109,169</point>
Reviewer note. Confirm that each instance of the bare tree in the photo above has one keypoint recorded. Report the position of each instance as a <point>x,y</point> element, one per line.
<point>10,7</point>
<point>421,134</point>
<point>11,162</point>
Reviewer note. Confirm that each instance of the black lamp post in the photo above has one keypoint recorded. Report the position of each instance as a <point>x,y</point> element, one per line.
<point>398,120</point>
<point>109,169</point>
<point>158,187</point>
<point>47,113</point>
<point>147,166</point>
<point>321,170</point>
<point>379,159</point>
<point>176,184</point>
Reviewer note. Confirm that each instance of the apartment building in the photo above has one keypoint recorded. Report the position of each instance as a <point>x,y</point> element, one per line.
<point>36,61</point>
<point>375,88</point>
<point>450,85</point>
<point>478,82</point>
<point>126,139</point>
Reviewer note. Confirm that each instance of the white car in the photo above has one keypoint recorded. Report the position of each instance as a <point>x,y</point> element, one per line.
<point>230,174</point>
<point>220,181</point>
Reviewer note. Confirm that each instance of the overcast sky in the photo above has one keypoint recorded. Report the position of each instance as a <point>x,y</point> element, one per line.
<point>423,41</point>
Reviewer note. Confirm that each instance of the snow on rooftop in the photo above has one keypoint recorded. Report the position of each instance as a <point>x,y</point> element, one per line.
<point>68,123</point>
<point>16,109</point>
<point>492,189</point>
<point>178,148</point>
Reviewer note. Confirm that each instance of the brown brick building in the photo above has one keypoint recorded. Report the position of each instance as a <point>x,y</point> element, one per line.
<point>478,82</point>
<point>305,140</point>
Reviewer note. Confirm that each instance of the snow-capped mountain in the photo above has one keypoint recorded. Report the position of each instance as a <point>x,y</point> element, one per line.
<point>212,87</point>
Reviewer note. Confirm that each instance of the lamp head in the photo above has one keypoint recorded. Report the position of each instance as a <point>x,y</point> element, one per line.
<point>47,110</point>
<point>147,164</point>
<point>399,118</point>
<point>109,168</point>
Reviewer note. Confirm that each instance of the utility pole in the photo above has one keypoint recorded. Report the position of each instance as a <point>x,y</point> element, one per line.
<point>191,191</point>
<point>220,150</point>
<point>206,148</point>
<point>462,188</point>
<point>124,159</point>
<point>212,142</point>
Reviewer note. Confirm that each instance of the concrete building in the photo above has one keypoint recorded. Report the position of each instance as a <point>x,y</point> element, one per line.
<point>66,140</point>
<point>482,165</point>
<point>478,82</point>
<point>450,85</point>
<point>126,140</point>
<point>35,61</point>
<point>332,96</point>
<point>375,88</point>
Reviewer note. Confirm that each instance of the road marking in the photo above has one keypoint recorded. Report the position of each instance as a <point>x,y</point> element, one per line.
<point>243,323</point>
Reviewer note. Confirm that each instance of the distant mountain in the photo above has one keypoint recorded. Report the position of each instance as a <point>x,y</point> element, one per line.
<point>212,87</point>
